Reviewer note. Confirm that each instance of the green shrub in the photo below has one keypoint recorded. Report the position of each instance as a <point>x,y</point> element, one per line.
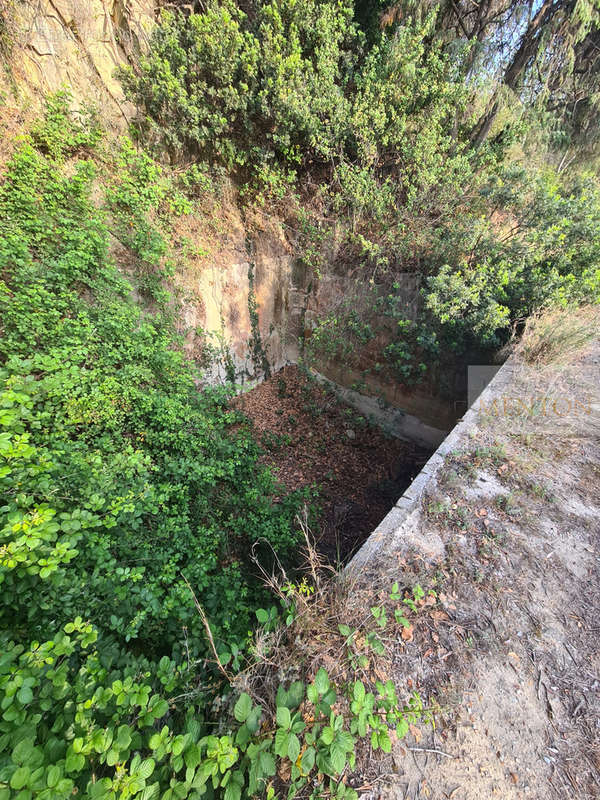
<point>254,93</point>
<point>83,718</point>
<point>119,478</point>
<point>60,133</point>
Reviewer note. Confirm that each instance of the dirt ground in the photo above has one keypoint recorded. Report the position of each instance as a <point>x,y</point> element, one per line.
<point>310,439</point>
<point>509,536</point>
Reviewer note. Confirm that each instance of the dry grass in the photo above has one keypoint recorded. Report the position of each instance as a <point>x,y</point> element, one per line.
<point>295,652</point>
<point>559,336</point>
<point>322,602</point>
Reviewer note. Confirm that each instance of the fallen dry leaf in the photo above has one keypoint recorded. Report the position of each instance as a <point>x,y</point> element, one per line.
<point>285,769</point>
<point>415,732</point>
<point>407,633</point>
<point>447,601</point>
<point>351,464</point>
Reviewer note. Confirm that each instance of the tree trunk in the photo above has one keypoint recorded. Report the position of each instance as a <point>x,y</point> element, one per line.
<point>522,57</point>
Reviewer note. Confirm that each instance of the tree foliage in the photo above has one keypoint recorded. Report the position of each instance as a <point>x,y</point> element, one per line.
<point>250,92</point>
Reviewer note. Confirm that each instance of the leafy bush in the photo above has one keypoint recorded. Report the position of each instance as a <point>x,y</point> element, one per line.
<point>372,140</point>
<point>481,278</point>
<point>549,256</point>
<point>119,478</point>
<point>254,92</point>
<point>80,719</point>
<point>58,134</point>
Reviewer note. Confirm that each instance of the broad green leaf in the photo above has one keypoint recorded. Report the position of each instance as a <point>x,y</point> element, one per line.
<point>75,761</point>
<point>160,708</point>
<point>233,791</point>
<point>293,750</point>
<point>327,735</point>
<point>192,756</point>
<point>281,742</point>
<point>267,763</point>
<point>53,776</point>
<point>295,694</point>
<point>312,693</point>
<point>308,759</point>
<point>322,681</point>
<point>243,707</point>
<point>337,757</point>
<point>123,737</point>
<point>20,778</point>
<point>146,768</point>
<point>25,695</point>
<point>284,719</point>
<point>22,752</point>
<point>150,792</point>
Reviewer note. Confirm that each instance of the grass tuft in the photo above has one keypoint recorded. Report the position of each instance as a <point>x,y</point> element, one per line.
<point>559,336</point>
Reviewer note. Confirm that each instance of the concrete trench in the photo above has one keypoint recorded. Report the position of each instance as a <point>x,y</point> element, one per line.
<point>394,524</point>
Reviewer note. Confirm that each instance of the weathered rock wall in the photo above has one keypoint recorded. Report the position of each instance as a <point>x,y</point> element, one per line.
<point>57,43</point>
<point>241,292</point>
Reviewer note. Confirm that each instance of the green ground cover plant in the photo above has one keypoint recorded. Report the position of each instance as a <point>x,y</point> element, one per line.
<point>119,478</point>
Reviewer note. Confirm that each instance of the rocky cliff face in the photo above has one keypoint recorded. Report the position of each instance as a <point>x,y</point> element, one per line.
<point>75,43</point>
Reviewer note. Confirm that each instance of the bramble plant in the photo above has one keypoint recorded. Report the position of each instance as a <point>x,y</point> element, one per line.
<point>78,719</point>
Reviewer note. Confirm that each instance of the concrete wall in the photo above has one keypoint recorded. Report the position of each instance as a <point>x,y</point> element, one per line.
<point>393,420</point>
<point>332,292</point>
<point>240,291</point>
<point>399,522</point>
